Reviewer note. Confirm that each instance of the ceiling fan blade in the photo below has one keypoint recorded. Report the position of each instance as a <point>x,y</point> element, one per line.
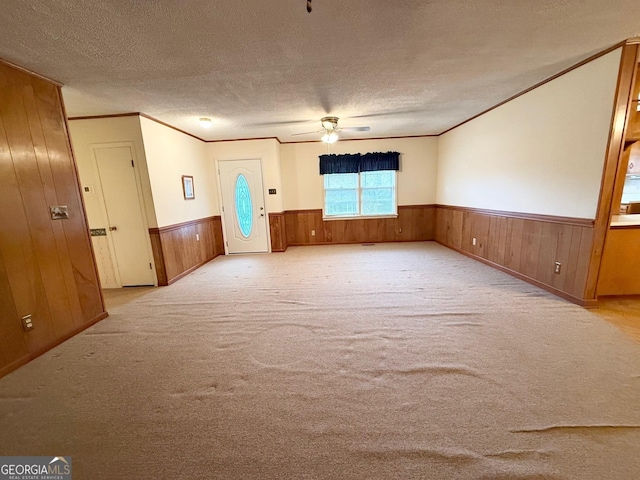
<point>306,133</point>
<point>277,124</point>
<point>355,129</point>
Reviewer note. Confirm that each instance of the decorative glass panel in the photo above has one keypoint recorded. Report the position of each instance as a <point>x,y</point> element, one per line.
<point>244,208</point>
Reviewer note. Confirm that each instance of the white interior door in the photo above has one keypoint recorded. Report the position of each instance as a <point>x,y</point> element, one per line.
<point>243,212</point>
<point>125,216</point>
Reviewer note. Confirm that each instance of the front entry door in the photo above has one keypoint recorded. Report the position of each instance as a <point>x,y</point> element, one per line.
<point>243,212</point>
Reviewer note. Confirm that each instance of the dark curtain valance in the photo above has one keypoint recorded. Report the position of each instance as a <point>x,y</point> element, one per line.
<point>371,162</point>
<point>355,163</point>
<point>348,163</point>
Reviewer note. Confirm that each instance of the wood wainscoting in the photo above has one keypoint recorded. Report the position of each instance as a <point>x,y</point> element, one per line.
<point>47,267</point>
<point>181,248</point>
<point>278,232</point>
<point>524,245</point>
<point>413,223</point>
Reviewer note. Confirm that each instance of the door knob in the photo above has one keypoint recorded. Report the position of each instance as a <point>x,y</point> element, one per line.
<point>112,228</point>
<point>262,214</point>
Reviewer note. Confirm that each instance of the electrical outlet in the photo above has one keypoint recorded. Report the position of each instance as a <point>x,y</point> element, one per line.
<point>27,323</point>
<point>313,233</point>
<point>197,237</point>
<point>557,268</point>
<point>473,241</point>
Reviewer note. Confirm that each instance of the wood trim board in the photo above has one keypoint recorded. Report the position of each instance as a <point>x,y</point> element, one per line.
<point>581,222</point>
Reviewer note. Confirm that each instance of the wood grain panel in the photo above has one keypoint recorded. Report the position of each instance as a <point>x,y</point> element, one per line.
<point>278,232</point>
<point>216,231</point>
<point>526,247</point>
<point>513,247</point>
<point>12,343</point>
<point>413,223</point>
<point>181,248</point>
<point>83,262</point>
<point>620,272</point>
<point>48,269</point>
<point>37,227</point>
<point>48,160</point>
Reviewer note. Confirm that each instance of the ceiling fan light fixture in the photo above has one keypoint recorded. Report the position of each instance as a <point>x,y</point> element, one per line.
<point>329,123</point>
<point>205,122</point>
<point>330,137</point>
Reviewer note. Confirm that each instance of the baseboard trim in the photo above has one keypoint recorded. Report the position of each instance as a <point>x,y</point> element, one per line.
<point>31,356</point>
<point>355,243</point>
<point>559,293</point>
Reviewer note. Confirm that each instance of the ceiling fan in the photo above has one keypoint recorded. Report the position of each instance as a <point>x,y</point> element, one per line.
<point>330,129</point>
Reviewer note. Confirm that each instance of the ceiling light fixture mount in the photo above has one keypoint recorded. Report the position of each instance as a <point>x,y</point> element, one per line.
<point>330,124</point>
<point>330,129</point>
<point>205,122</point>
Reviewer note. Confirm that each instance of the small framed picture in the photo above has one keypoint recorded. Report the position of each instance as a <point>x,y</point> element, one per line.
<point>187,187</point>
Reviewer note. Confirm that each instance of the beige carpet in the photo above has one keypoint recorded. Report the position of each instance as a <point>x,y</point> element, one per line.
<point>392,361</point>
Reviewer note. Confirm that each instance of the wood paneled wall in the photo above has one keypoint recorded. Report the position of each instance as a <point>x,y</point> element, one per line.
<point>413,223</point>
<point>525,245</point>
<point>278,232</point>
<point>180,249</point>
<point>47,267</point>
<point>620,268</point>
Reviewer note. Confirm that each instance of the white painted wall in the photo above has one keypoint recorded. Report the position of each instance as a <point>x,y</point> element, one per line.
<point>87,133</point>
<point>170,155</point>
<point>541,153</point>
<point>303,186</point>
<point>268,151</point>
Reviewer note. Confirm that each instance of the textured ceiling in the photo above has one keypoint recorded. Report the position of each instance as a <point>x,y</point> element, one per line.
<point>267,68</point>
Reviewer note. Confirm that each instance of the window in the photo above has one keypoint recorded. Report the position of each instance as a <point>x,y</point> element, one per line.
<point>360,194</point>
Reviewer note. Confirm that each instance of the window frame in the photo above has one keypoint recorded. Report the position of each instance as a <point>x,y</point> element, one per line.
<point>359,193</point>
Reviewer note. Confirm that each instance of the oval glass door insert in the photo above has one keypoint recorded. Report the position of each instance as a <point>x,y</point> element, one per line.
<point>244,208</point>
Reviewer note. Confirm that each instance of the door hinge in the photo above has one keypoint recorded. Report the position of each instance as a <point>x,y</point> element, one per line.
<point>226,243</point>
<point>132,163</point>
<point>150,267</point>
<point>223,208</point>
